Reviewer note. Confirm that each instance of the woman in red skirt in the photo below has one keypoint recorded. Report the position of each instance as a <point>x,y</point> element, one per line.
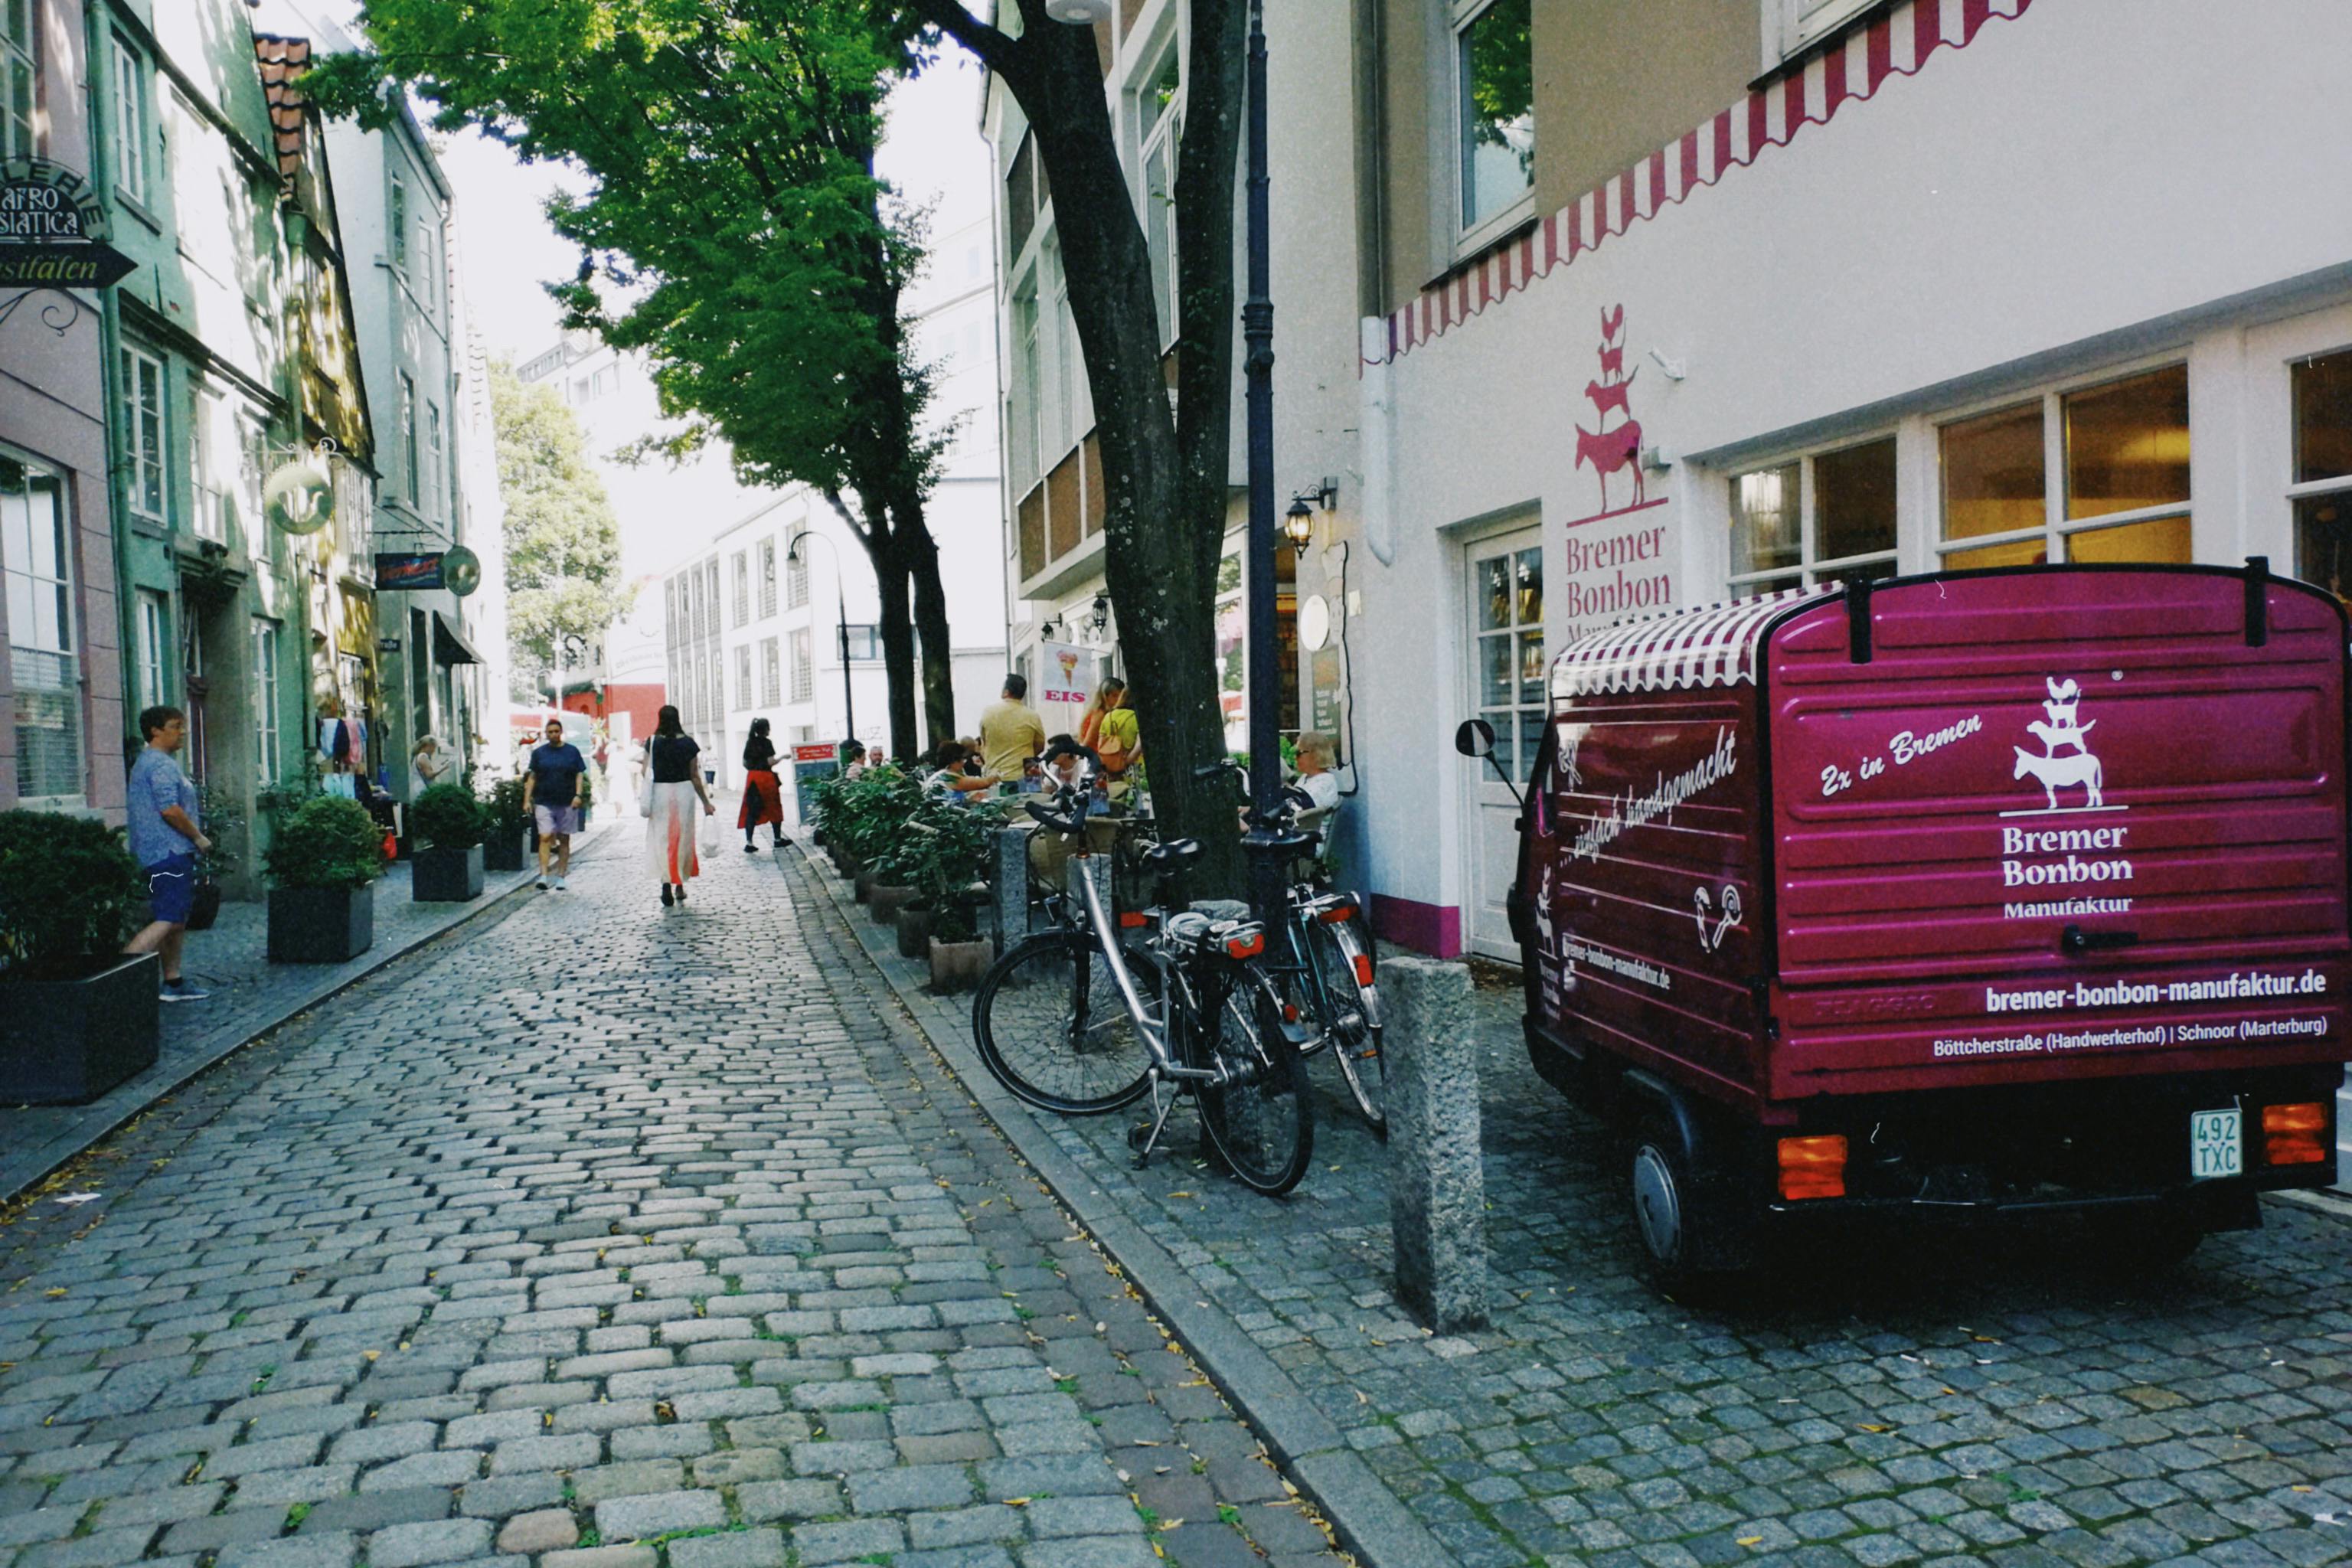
<point>763,795</point>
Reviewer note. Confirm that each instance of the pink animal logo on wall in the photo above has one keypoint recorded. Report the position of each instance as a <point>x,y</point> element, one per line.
<point>1613,447</point>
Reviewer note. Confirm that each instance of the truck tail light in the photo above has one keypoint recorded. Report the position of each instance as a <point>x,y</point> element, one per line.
<point>1813,1167</point>
<point>2295,1135</point>
<point>1363,966</point>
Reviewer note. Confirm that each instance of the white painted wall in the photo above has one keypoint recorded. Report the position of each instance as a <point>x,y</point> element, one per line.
<point>2095,183</point>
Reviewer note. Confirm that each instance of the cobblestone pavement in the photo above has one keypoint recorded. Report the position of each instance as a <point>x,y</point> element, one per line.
<point>610,1238</point>
<point>1942,1403</point>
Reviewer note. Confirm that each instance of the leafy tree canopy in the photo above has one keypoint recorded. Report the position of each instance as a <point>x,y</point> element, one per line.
<point>563,545</point>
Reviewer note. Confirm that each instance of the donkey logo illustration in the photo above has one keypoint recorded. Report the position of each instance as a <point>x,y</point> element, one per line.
<point>2065,762</point>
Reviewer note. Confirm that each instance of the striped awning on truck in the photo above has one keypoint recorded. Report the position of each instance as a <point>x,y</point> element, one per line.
<point>1708,644</point>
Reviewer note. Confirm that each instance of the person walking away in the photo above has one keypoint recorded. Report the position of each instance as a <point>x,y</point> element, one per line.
<point>1010,731</point>
<point>1105,697</point>
<point>670,805</point>
<point>551,793</point>
<point>1320,784</point>
<point>426,767</point>
<point>763,793</point>
<point>165,839</point>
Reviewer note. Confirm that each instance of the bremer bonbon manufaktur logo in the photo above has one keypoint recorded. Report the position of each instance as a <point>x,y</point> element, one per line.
<point>2068,857</point>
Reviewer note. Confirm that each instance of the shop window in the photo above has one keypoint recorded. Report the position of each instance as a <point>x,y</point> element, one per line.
<point>2322,492</point>
<point>2121,451</point>
<point>1827,518</point>
<point>1506,593</point>
<point>1495,83</point>
<point>36,560</point>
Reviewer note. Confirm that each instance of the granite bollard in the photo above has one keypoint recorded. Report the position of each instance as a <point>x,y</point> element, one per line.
<point>1008,883</point>
<point>1437,1185</point>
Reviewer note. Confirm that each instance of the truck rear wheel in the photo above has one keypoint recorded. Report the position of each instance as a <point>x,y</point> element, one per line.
<point>1662,1188</point>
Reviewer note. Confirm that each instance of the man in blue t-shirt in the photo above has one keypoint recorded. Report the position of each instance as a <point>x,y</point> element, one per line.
<point>164,839</point>
<point>550,791</point>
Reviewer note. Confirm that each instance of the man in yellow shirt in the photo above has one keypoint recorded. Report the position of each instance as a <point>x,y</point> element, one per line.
<point>1010,731</point>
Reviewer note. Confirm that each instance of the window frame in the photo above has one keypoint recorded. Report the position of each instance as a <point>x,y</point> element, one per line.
<point>771,679</point>
<point>767,579</point>
<point>396,223</point>
<point>1792,27</point>
<point>136,364</point>
<point>1165,134</point>
<point>154,638</point>
<point>432,465</point>
<point>804,673</point>
<point>409,454</point>
<point>744,675</point>
<point>133,119</point>
<point>20,63</point>
<point>267,759</point>
<point>739,567</point>
<point>1469,237</point>
<point>204,410</point>
<point>65,650</point>
<point>2056,530</point>
<point>1810,568</point>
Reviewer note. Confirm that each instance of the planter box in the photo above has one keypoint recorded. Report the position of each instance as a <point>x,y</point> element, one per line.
<point>320,925</point>
<point>914,933</point>
<point>862,884</point>
<point>206,910</point>
<point>508,850</point>
<point>958,965</point>
<point>439,875</point>
<point>67,1040</point>
<point>884,902</point>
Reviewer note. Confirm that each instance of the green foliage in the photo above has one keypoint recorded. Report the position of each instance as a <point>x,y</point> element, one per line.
<point>505,805</point>
<point>563,543</point>
<point>222,817</point>
<point>66,887</point>
<point>447,816</point>
<point>871,808</point>
<point>327,841</point>
<point>822,792</point>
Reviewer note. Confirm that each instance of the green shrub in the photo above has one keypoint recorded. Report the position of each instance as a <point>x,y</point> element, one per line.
<point>326,842</point>
<point>66,889</point>
<point>506,808</point>
<point>447,817</point>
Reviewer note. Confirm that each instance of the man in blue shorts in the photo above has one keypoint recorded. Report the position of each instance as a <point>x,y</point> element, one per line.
<point>550,792</point>
<point>165,840</point>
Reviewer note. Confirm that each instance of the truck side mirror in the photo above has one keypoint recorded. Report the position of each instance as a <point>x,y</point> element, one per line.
<point>1474,738</point>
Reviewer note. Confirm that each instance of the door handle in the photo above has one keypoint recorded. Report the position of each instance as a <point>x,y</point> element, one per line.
<point>2074,939</point>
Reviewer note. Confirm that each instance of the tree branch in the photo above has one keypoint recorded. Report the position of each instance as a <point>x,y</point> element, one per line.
<point>1000,52</point>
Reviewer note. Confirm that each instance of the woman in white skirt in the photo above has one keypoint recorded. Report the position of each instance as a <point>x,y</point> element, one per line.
<point>674,786</point>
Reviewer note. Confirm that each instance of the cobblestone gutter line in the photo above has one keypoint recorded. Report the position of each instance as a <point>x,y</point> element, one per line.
<point>36,1142</point>
<point>1368,1519</point>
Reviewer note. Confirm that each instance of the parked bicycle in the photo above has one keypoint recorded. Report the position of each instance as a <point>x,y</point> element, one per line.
<point>1322,962</point>
<point>1168,1000</point>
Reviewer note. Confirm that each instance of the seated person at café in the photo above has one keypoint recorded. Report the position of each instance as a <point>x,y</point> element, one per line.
<point>948,780</point>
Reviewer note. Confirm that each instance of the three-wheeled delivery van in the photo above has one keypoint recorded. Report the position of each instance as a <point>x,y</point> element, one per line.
<point>1974,894</point>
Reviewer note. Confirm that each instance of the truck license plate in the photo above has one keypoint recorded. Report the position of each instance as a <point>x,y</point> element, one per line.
<point>2215,1148</point>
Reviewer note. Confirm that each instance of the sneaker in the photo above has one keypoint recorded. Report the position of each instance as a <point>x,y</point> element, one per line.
<point>182,991</point>
<point>560,887</point>
<point>666,900</point>
<point>681,892</point>
<point>542,884</point>
<point>751,849</point>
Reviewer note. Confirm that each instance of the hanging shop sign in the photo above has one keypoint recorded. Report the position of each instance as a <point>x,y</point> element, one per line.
<point>409,572</point>
<point>53,230</point>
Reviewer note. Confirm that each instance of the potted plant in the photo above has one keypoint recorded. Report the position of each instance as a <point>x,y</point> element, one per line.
<point>960,954</point>
<point>942,855</point>
<point>322,857</point>
<point>507,829</point>
<point>224,822</point>
<point>77,1017</point>
<point>447,825</point>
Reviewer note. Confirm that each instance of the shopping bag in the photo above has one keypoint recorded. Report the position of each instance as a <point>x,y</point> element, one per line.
<point>646,794</point>
<point>707,838</point>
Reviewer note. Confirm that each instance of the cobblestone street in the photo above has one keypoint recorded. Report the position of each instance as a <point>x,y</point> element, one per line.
<point>605,1238</point>
<point>1954,1402</point>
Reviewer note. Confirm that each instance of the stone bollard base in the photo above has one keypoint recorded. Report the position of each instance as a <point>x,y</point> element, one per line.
<point>1438,1183</point>
<point>1008,884</point>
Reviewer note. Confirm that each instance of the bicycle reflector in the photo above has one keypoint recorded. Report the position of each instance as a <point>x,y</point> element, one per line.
<point>1363,965</point>
<point>1246,943</point>
<point>1133,919</point>
<point>1345,909</point>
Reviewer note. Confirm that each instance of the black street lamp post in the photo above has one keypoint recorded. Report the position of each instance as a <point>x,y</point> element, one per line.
<point>841,594</point>
<point>1268,859</point>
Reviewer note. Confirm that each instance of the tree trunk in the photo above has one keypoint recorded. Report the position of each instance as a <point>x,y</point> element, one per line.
<point>897,655</point>
<point>922,557</point>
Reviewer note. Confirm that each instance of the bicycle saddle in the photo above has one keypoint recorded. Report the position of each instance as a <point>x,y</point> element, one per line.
<point>1221,908</point>
<point>1173,855</point>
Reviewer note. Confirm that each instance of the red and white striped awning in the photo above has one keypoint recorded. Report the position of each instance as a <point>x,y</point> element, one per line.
<point>1710,644</point>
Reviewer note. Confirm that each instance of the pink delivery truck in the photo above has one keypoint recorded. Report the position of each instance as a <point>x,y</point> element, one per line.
<point>1974,895</point>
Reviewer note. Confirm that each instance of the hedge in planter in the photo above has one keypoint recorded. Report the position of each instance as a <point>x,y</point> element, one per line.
<point>323,858</point>
<point>505,840</point>
<point>446,824</point>
<point>77,1017</point>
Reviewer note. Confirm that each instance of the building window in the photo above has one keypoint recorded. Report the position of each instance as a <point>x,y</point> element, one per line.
<point>796,582</point>
<point>143,433</point>
<point>864,642</point>
<point>252,465</point>
<point>767,578</point>
<point>265,701</point>
<point>701,621</point>
<point>740,566</point>
<point>204,466</point>
<point>1803,23</point>
<point>1494,78</point>
<point>433,487</point>
<point>2121,451</point>
<point>20,131</point>
<point>772,680</point>
<point>744,675</point>
<point>1828,518</point>
<point>154,620</point>
<point>1025,195</point>
<point>803,679</point>
<point>410,455</point>
<point>36,555</point>
<point>396,223</point>
<point>130,120</point>
<point>1508,608</point>
<point>1158,118</point>
<point>2321,493</point>
<point>711,577</point>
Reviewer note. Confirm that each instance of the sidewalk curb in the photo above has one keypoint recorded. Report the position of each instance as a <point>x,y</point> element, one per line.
<point>1377,1529</point>
<point>21,1175</point>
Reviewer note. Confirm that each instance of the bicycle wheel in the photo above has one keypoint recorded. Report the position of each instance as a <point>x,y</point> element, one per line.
<point>1356,1030</point>
<point>1260,1121</point>
<point>1051,1024</point>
